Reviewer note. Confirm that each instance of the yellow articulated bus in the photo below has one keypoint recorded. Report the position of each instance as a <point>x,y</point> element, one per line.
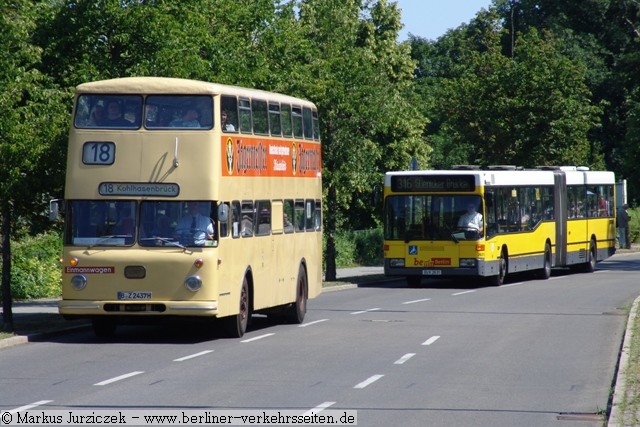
<point>187,198</point>
<point>473,223</point>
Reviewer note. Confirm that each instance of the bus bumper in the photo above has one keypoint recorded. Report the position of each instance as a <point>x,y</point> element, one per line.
<point>87,309</point>
<point>482,269</point>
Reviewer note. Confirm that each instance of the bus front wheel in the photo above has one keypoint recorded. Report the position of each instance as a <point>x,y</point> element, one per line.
<point>236,325</point>
<point>498,279</point>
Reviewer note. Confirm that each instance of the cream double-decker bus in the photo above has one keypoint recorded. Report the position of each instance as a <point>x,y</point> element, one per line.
<point>187,198</point>
<point>473,223</point>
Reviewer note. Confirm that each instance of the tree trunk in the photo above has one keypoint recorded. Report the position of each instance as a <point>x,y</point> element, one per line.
<point>7,313</point>
<point>330,230</point>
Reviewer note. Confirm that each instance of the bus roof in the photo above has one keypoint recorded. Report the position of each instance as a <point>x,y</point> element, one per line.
<point>515,177</point>
<point>175,86</point>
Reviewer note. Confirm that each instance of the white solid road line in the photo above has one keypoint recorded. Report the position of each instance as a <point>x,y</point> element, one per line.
<point>462,293</point>
<point>404,358</point>
<point>182,359</point>
<point>259,337</point>
<point>368,381</point>
<point>431,340</point>
<point>32,405</point>
<point>320,407</point>
<point>121,377</point>
<point>365,311</point>
<point>304,325</point>
<point>417,300</point>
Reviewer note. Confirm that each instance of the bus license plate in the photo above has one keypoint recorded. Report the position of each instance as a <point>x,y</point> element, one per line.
<point>134,295</point>
<point>432,272</point>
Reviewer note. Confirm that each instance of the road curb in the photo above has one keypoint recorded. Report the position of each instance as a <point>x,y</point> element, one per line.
<point>23,339</point>
<point>621,378</point>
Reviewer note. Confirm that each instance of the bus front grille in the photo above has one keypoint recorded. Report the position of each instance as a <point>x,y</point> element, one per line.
<point>135,308</point>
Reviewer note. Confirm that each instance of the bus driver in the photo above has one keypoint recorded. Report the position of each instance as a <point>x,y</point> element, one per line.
<point>472,220</point>
<point>195,228</point>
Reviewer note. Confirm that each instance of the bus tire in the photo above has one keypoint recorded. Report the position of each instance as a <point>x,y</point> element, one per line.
<point>590,265</point>
<point>103,328</point>
<point>236,325</point>
<point>545,272</point>
<point>498,279</point>
<point>296,311</point>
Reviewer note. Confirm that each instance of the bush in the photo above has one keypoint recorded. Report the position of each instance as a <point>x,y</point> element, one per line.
<point>362,247</point>
<point>35,267</point>
<point>634,225</point>
<point>368,245</point>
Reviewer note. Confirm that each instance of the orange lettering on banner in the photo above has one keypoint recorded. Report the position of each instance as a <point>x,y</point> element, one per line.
<point>431,262</point>
<point>256,157</point>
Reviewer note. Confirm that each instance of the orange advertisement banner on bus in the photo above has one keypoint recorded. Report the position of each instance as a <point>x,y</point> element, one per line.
<point>259,157</point>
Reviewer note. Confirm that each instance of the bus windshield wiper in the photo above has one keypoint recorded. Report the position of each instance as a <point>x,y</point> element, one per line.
<point>166,241</point>
<point>103,239</point>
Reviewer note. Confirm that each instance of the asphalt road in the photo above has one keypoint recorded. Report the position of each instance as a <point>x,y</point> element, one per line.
<point>530,353</point>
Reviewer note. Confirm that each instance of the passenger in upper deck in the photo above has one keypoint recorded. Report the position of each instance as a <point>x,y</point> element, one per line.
<point>189,119</point>
<point>97,116</point>
<point>229,127</point>
<point>114,115</point>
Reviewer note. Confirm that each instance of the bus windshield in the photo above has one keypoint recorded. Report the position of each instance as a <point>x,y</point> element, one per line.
<point>432,217</point>
<point>159,223</point>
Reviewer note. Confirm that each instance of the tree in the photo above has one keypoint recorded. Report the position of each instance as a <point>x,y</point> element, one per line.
<point>603,34</point>
<point>532,108</point>
<point>31,114</point>
<point>358,76</point>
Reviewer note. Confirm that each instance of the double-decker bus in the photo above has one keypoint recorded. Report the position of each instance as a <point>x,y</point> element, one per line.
<point>194,199</point>
<point>529,220</point>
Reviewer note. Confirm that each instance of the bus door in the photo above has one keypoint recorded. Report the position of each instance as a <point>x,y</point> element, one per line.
<point>560,214</point>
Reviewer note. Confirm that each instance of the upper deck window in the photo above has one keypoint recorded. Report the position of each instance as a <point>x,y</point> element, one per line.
<point>159,112</point>
<point>178,112</point>
<point>108,111</point>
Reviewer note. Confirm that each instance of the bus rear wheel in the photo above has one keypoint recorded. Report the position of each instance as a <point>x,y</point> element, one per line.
<point>590,265</point>
<point>545,272</point>
<point>295,312</point>
<point>236,325</point>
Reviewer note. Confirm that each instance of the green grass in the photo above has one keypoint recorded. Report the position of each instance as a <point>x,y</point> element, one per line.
<point>629,408</point>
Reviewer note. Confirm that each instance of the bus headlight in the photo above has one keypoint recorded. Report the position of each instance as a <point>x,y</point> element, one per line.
<point>396,262</point>
<point>193,283</point>
<point>79,282</point>
<point>467,262</point>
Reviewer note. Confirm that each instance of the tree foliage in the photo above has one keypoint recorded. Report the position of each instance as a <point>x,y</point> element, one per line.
<point>529,82</point>
<point>31,117</point>
<point>529,108</point>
